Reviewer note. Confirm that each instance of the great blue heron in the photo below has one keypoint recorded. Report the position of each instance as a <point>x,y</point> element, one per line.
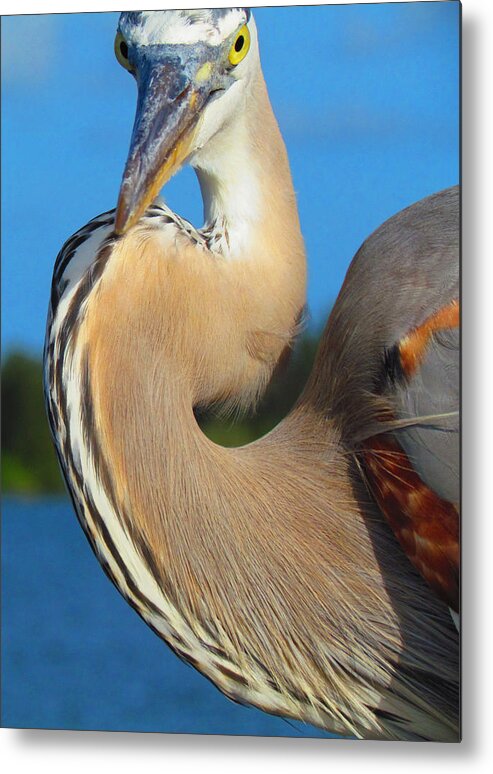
<point>272,567</point>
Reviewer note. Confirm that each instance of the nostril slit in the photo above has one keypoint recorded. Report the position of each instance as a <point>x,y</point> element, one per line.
<point>185,90</point>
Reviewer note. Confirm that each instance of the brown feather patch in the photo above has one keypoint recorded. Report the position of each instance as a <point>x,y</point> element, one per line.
<point>426,526</point>
<point>412,348</point>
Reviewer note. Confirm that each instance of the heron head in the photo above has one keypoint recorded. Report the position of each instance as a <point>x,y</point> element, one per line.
<point>192,69</point>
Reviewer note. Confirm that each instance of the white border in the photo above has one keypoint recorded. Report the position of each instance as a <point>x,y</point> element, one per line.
<point>82,751</point>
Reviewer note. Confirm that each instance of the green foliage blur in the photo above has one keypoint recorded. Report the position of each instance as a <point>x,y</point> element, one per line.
<point>29,463</point>
<point>282,393</point>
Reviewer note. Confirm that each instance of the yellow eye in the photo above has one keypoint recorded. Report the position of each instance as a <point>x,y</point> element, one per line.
<point>240,47</point>
<point>121,51</point>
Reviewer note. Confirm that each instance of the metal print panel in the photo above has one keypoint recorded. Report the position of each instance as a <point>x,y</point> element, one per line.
<point>256,419</point>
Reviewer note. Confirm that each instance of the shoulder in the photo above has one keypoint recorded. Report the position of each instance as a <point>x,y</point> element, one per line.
<point>415,252</point>
<point>403,275</point>
<point>431,224</point>
<point>405,271</point>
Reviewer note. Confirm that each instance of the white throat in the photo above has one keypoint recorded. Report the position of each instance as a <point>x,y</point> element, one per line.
<point>227,159</point>
<point>230,184</point>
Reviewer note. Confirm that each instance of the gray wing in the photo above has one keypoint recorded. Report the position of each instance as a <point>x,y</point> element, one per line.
<point>390,357</point>
<point>433,445</point>
<point>404,273</point>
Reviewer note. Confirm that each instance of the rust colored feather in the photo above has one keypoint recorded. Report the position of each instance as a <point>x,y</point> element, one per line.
<point>426,526</point>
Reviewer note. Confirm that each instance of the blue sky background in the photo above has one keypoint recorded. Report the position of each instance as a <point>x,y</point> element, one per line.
<point>367,100</point>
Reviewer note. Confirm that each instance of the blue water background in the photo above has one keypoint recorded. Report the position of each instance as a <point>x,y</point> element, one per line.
<point>76,656</point>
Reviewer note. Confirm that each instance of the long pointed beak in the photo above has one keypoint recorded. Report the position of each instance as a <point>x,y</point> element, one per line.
<point>168,111</point>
